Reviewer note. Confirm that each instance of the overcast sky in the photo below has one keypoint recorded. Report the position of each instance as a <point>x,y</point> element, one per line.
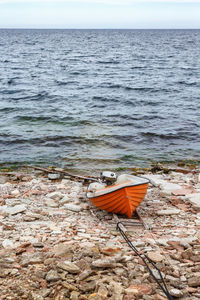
<point>100,14</point>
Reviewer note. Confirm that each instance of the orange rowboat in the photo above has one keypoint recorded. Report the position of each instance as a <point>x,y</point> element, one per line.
<point>122,198</point>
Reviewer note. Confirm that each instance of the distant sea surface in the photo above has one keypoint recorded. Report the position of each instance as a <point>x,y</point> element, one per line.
<point>99,99</point>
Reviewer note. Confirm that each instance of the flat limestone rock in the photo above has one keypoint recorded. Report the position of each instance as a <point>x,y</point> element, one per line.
<point>16,209</point>
<point>73,207</point>
<point>168,187</point>
<point>194,200</point>
<point>69,267</point>
<point>168,212</point>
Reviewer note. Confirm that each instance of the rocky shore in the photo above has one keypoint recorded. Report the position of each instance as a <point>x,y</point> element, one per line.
<point>54,244</point>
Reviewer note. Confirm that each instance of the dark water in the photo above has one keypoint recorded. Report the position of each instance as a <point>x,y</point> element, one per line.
<point>93,99</point>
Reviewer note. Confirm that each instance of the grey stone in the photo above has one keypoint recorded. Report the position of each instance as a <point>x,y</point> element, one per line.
<point>52,275</point>
<point>30,259</point>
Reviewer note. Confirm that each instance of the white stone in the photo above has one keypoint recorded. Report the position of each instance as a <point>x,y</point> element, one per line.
<point>65,199</point>
<point>16,209</point>
<point>51,203</point>
<point>72,207</point>
<point>155,179</point>
<point>7,244</point>
<point>199,178</point>
<point>168,187</point>
<point>15,192</point>
<point>55,195</point>
<point>168,212</point>
<point>194,200</point>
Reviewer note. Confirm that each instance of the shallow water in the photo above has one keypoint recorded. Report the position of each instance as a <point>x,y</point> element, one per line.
<point>96,99</point>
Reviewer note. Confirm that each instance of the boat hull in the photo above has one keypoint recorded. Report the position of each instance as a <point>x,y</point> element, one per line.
<point>123,200</point>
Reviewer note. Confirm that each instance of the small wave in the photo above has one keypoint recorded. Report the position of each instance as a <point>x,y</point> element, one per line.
<point>108,62</point>
<point>187,83</point>
<point>36,97</point>
<point>105,99</point>
<point>62,82</point>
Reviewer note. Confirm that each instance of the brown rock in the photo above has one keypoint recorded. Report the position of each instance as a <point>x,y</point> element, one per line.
<point>64,250</point>
<point>195,280</point>
<point>139,289</point>
<point>87,286</point>
<point>69,267</point>
<point>155,256</point>
<point>159,297</point>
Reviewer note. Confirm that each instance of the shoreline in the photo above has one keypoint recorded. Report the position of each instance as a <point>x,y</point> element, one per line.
<point>54,244</point>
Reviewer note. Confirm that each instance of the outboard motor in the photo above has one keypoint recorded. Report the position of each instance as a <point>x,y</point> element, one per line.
<point>108,177</point>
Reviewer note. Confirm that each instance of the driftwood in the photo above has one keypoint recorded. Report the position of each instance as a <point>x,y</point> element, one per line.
<point>77,177</point>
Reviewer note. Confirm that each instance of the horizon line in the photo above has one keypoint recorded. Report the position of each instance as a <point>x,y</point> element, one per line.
<point>99,28</point>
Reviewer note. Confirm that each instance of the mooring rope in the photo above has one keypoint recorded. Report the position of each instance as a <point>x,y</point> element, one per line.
<point>146,259</point>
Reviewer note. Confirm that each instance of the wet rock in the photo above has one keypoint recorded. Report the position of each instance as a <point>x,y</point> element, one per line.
<point>52,275</point>
<point>69,267</point>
